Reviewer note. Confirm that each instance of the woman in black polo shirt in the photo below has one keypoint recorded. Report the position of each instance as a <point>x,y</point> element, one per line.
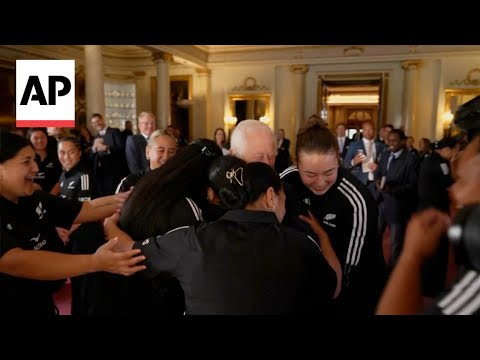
<point>245,262</point>
<point>27,220</point>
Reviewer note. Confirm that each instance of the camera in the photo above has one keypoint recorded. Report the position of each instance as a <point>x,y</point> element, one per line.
<point>464,234</point>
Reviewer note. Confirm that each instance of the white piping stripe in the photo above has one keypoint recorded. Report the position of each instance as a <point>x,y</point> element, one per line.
<point>464,282</point>
<point>313,240</point>
<point>178,228</point>
<point>472,307</point>
<point>81,182</point>
<point>288,171</point>
<point>120,185</point>
<point>84,182</point>
<point>354,228</point>
<point>365,217</point>
<point>196,211</point>
<point>464,297</point>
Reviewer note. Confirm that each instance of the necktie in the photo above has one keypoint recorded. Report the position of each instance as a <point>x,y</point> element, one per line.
<point>392,156</point>
<point>341,145</point>
<point>370,149</point>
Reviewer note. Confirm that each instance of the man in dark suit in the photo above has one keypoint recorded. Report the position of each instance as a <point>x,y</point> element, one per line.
<point>283,159</point>
<point>396,179</point>
<point>343,141</point>
<point>127,131</point>
<point>363,156</point>
<point>136,144</point>
<point>108,156</point>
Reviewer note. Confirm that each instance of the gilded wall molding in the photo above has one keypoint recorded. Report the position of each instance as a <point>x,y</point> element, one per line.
<point>411,64</point>
<point>250,84</point>
<point>203,71</point>
<point>162,56</point>
<point>298,69</point>
<point>353,51</point>
<point>469,78</point>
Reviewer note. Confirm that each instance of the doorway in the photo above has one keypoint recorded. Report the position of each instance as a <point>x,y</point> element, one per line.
<point>352,99</point>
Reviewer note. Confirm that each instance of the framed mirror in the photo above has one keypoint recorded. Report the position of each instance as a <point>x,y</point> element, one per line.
<point>251,106</point>
<point>453,99</point>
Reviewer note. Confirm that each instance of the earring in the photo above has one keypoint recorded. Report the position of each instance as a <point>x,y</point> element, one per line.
<point>272,208</point>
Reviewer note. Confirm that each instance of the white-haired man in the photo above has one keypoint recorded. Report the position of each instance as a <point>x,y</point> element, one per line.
<point>252,141</point>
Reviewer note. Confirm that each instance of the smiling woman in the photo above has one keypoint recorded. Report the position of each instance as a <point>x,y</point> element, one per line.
<point>347,211</point>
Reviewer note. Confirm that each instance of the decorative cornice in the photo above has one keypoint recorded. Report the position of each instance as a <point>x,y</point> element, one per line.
<point>250,84</point>
<point>353,51</point>
<point>203,71</point>
<point>298,69</point>
<point>468,78</point>
<point>162,56</point>
<point>411,64</point>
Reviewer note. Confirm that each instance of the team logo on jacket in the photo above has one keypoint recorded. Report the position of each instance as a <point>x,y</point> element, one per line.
<point>39,244</point>
<point>328,218</point>
<point>145,242</point>
<point>70,185</point>
<point>306,201</point>
<point>40,211</point>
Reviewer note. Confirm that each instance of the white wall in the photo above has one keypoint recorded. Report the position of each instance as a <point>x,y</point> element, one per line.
<point>434,75</point>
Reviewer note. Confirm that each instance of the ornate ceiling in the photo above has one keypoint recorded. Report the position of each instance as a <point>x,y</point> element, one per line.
<point>203,56</point>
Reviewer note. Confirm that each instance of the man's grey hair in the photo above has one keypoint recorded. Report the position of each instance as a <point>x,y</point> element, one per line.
<point>238,141</point>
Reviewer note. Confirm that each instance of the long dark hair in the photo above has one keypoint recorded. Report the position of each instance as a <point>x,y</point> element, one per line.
<point>147,211</point>
<point>237,183</point>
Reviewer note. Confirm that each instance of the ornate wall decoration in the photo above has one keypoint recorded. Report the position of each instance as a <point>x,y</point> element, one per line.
<point>250,84</point>
<point>472,78</point>
<point>353,51</point>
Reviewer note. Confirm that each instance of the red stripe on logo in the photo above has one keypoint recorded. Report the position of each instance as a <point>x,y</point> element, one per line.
<point>45,123</point>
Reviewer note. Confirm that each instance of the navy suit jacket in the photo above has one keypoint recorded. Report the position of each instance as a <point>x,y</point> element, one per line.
<point>135,153</point>
<point>401,178</point>
<point>346,146</point>
<point>357,170</point>
<point>110,167</point>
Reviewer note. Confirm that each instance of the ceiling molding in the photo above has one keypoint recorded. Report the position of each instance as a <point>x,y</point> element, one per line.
<point>136,57</point>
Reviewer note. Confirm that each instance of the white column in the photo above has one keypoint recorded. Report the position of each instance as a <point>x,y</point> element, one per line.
<point>298,93</point>
<point>94,81</point>
<point>202,124</point>
<point>143,101</point>
<point>410,96</point>
<point>163,111</point>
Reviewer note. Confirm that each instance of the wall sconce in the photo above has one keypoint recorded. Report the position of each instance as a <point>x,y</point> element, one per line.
<point>264,119</point>
<point>447,118</point>
<point>230,120</point>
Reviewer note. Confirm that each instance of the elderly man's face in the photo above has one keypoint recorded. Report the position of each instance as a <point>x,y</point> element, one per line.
<point>260,147</point>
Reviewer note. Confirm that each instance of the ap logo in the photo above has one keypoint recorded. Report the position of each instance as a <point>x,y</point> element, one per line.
<point>45,93</point>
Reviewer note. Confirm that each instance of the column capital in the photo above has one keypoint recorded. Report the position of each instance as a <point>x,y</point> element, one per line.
<point>204,71</point>
<point>411,64</point>
<point>298,69</point>
<point>162,56</point>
